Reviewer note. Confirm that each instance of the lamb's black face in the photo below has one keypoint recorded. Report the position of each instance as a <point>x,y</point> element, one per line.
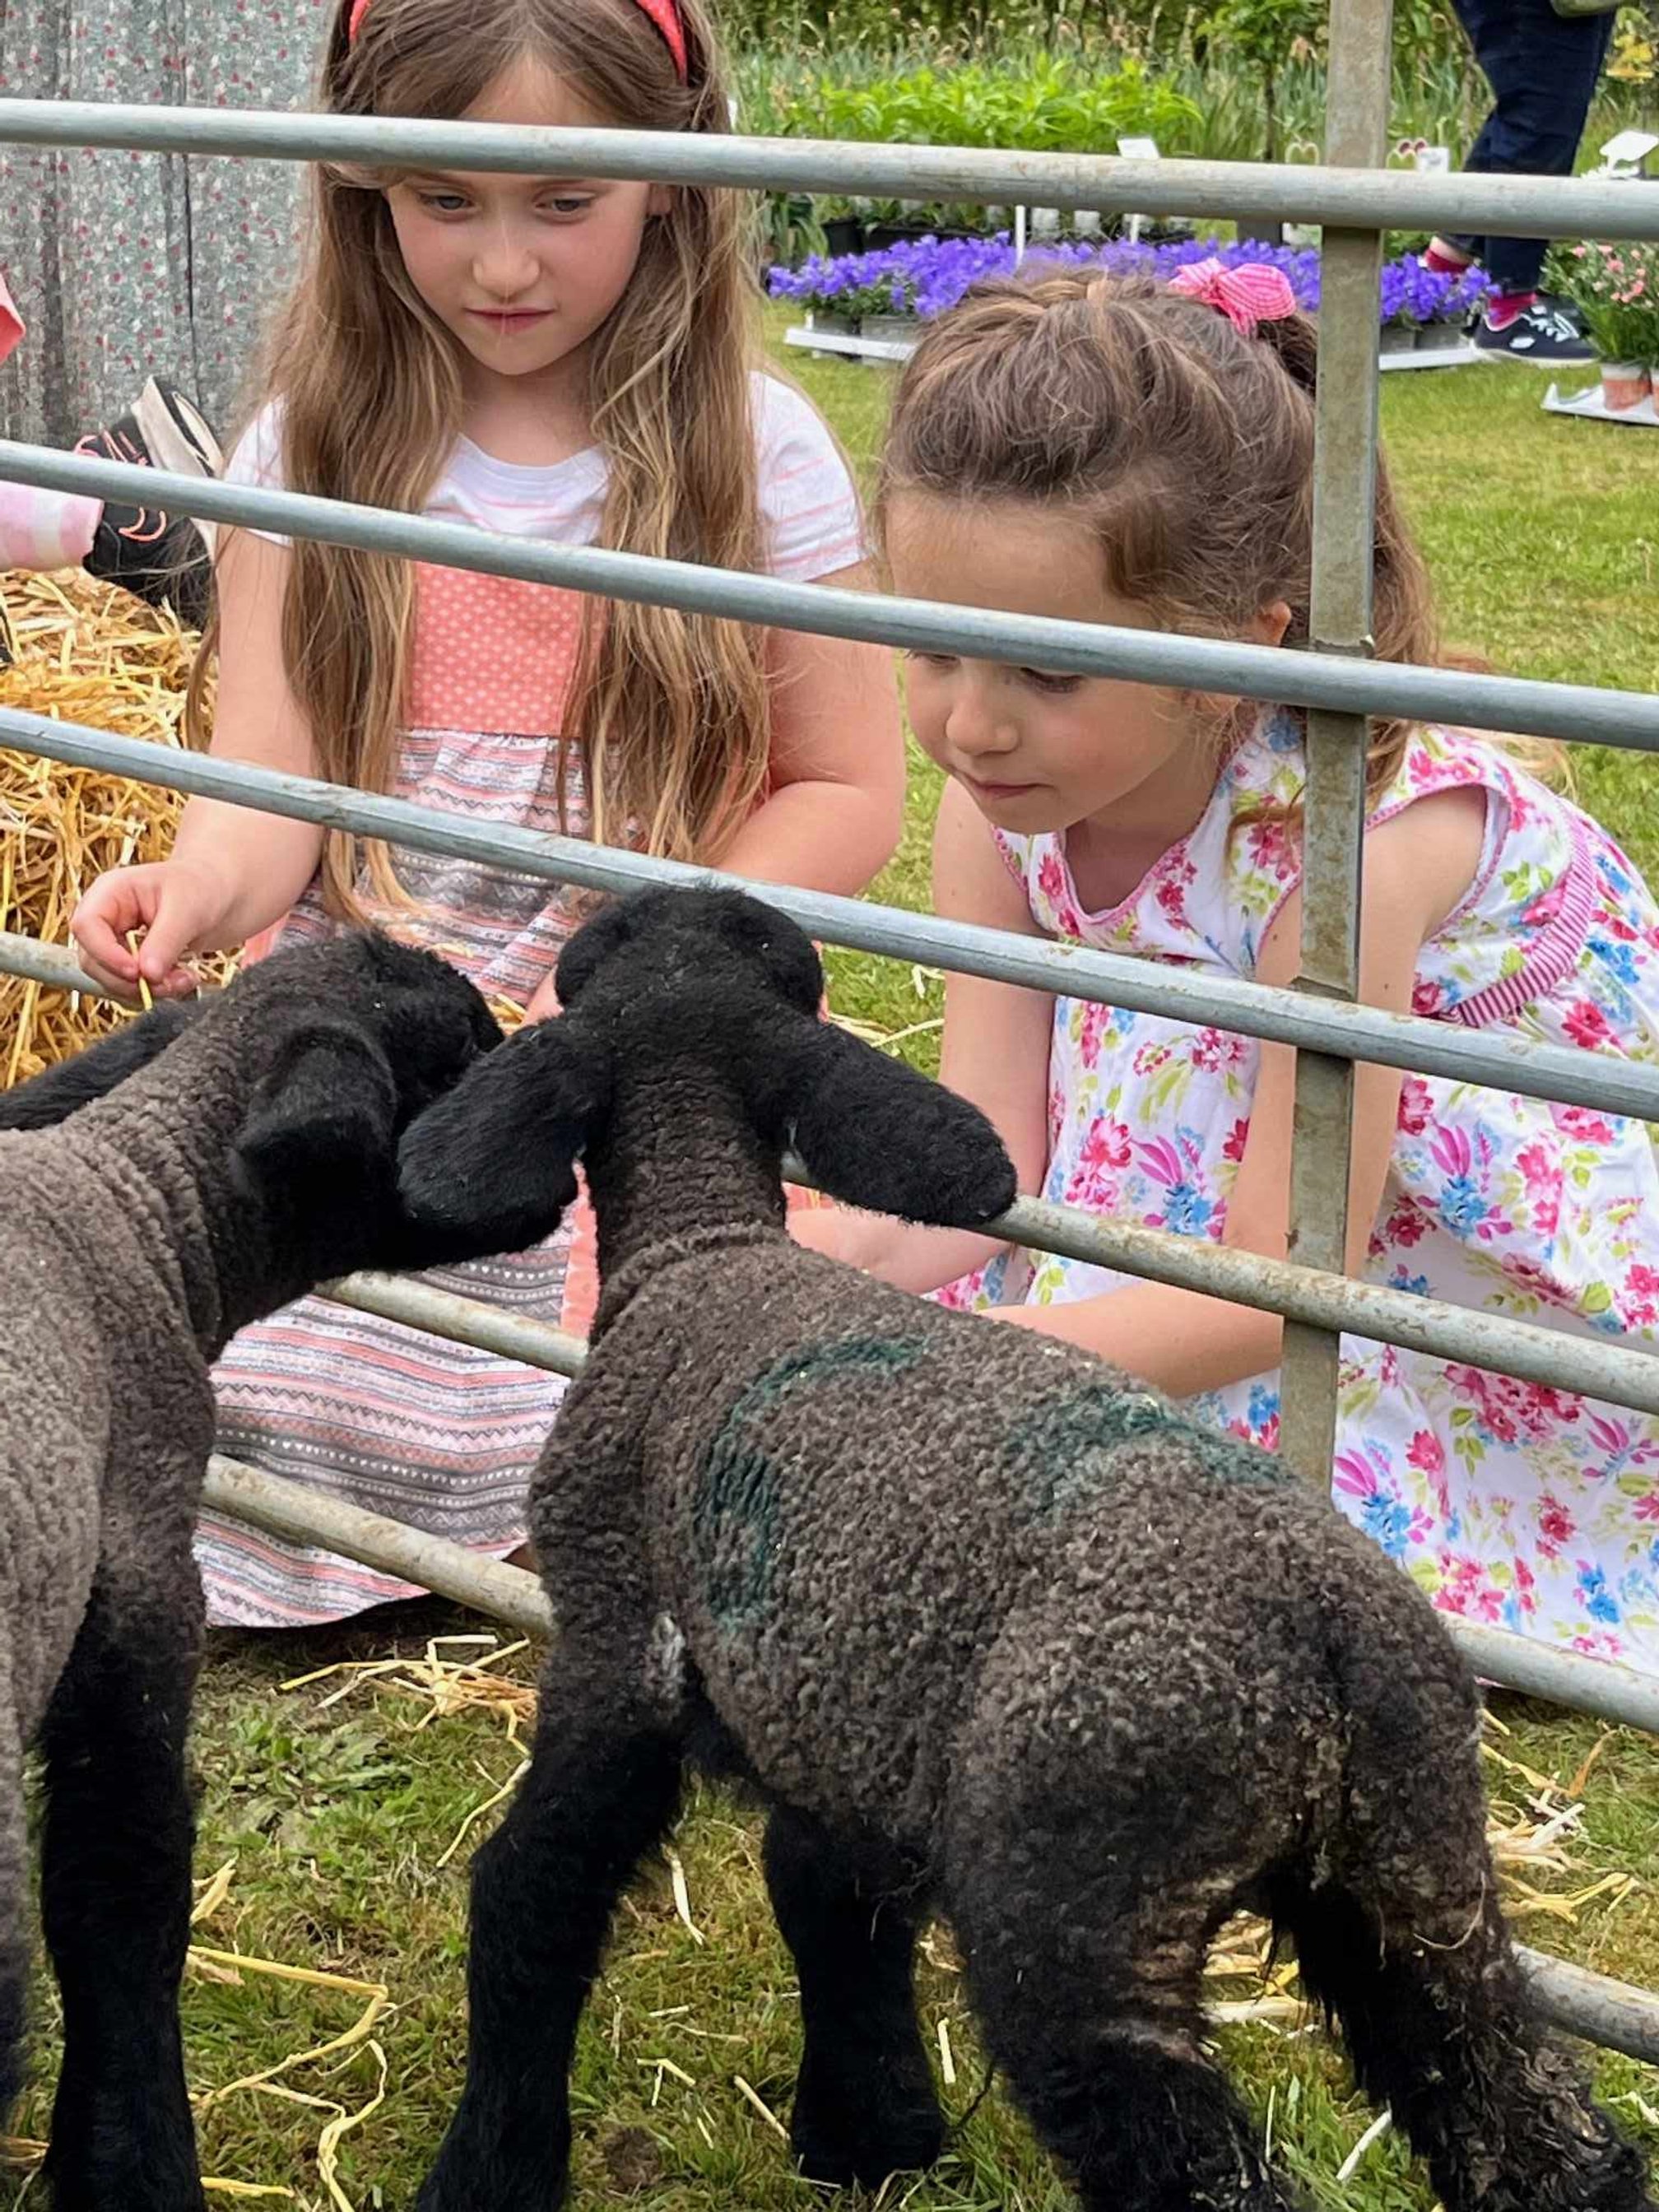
<point>663,940</point>
<point>433,1024</point>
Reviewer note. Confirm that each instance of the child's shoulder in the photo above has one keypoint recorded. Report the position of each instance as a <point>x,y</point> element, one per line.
<point>809,504</point>
<point>256,456</point>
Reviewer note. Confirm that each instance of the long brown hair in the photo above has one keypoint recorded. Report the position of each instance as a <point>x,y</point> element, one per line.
<point>1186,447</point>
<point>669,711</point>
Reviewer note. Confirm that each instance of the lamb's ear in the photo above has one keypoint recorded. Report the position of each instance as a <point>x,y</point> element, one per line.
<point>328,1101</point>
<point>48,1098</point>
<point>875,1133</point>
<point>493,1164</point>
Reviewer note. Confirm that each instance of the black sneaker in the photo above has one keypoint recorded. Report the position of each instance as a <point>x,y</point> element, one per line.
<point>1545,333</point>
<point>167,559</point>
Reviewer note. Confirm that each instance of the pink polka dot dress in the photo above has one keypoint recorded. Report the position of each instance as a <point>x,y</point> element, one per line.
<point>435,1434</point>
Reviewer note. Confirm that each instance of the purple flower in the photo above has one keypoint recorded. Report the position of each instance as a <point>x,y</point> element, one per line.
<point>930,275</point>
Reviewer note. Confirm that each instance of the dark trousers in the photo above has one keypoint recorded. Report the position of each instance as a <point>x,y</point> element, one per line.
<point>1543,69</point>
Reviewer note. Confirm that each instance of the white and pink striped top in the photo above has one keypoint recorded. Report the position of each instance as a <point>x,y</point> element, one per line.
<point>437,1434</point>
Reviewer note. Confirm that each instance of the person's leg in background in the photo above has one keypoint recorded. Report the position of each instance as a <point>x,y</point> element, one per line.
<point>1543,69</point>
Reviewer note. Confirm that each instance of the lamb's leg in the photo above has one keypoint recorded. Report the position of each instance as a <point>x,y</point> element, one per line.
<point>1090,2006</point>
<point>115,1897</point>
<point>601,1790</point>
<point>865,2103</point>
<point>1440,2030</point>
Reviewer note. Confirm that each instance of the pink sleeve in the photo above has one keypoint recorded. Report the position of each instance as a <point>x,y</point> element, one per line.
<point>810,508</point>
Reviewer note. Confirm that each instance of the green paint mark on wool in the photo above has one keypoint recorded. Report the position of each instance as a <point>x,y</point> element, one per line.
<point>734,1516</point>
<point>1061,1454</point>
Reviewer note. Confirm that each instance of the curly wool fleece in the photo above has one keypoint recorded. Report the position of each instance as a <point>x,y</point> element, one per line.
<point>992,1627</point>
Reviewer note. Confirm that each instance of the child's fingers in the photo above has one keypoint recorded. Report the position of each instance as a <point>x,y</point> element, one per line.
<point>99,927</point>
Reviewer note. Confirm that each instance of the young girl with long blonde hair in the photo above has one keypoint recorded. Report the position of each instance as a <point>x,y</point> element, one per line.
<point>1125,453</point>
<point>560,358</point>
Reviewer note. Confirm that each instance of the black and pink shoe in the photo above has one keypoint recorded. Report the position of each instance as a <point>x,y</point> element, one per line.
<point>165,559</point>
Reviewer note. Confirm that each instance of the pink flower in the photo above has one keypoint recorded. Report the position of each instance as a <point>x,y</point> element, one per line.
<point>1537,1164</point>
<point>1556,1524</point>
<point>1586,1024</point>
<point>1405,1226</point>
<point>1416,1105</point>
<point>1425,1452</point>
<point>1579,1121</point>
<point>1215,1049</point>
<point>1233,1149</point>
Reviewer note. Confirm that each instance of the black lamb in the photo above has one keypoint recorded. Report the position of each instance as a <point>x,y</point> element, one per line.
<point>994,1630</point>
<point>249,1153</point>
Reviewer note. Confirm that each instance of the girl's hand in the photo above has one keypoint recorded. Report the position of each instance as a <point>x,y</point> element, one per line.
<point>176,904</point>
<point>544,1003</point>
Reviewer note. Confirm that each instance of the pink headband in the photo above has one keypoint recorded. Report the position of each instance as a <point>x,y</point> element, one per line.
<point>1251,294</point>
<point>664,14</point>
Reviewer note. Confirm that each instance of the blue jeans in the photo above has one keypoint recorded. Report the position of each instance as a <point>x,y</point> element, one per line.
<point>1543,69</point>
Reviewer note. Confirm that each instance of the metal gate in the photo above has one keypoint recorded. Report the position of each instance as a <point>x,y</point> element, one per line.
<point>1356,199</point>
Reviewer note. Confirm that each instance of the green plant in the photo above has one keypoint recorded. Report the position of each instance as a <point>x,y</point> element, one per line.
<point>1616,290</point>
<point>792,227</point>
<point>1267,36</point>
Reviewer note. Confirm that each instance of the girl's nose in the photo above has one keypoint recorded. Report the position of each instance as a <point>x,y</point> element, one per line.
<point>505,267</point>
<point>974,728</point>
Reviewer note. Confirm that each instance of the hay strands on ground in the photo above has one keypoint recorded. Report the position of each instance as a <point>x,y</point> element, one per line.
<point>269,2080</point>
<point>233,1966</point>
<point>447,1686</point>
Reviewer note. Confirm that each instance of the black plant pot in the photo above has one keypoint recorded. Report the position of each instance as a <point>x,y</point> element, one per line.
<point>844,235</point>
<point>880,236</point>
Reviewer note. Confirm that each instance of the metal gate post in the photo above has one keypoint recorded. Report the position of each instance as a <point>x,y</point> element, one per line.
<point>1345,471</point>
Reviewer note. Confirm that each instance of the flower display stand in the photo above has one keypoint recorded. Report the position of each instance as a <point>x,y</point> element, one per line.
<point>1593,408</point>
<point>1457,353</point>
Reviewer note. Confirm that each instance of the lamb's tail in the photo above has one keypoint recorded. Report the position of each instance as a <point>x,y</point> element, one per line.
<point>1402,1939</point>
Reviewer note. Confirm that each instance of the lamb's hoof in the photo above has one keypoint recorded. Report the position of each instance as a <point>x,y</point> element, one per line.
<point>457,2184</point>
<point>843,2138</point>
<point>76,2186</point>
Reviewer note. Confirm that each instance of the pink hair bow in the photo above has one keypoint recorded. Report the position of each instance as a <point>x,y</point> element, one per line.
<point>1251,294</point>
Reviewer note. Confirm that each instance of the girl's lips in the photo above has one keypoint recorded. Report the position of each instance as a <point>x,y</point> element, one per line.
<point>998,790</point>
<point>510,319</point>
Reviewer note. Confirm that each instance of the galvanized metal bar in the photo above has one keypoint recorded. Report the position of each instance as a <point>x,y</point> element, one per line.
<point>1612,2014</point>
<point>429,1563</point>
<point>464,1321</point>
<point>1619,1373</point>
<point>1357,84</point>
<point>1505,1063</point>
<point>1520,207</point>
<point>1580,712</point>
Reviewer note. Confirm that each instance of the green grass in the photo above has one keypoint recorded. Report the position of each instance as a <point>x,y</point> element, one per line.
<point>1541,534</point>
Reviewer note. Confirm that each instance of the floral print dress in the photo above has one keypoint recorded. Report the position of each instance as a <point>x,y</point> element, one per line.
<point>1508,1502</point>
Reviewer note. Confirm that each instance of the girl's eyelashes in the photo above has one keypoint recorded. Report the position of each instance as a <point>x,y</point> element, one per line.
<point>1040,679</point>
<point>442,200</point>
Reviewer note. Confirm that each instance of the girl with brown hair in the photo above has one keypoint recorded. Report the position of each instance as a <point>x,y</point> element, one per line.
<point>550,357</point>
<point>1118,452</point>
